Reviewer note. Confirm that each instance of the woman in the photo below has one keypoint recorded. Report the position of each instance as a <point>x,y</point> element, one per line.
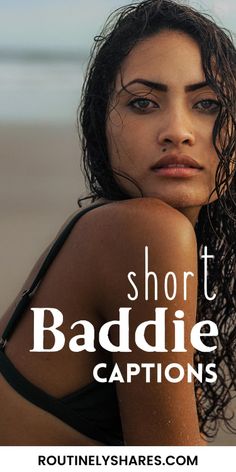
<point>158,124</point>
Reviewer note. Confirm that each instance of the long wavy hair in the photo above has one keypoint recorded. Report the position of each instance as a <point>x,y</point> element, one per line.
<point>217,221</point>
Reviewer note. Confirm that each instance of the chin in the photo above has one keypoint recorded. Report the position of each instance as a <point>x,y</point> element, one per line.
<point>181,201</point>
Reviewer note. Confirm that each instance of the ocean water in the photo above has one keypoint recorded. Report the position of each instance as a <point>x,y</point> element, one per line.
<point>40,87</point>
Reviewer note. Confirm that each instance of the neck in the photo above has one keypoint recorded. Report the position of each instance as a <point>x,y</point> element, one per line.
<point>191,214</point>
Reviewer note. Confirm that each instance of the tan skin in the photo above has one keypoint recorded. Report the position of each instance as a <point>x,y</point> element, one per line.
<point>152,414</point>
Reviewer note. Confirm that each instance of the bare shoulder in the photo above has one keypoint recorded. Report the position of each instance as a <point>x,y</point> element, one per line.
<point>117,233</point>
<point>138,218</point>
<point>126,242</point>
<point>119,237</point>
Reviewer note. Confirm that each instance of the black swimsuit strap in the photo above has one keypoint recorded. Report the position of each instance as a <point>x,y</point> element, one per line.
<point>27,294</point>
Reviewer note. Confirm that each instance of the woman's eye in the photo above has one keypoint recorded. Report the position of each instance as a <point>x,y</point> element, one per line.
<point>208,105</point>
<point>143,104</point>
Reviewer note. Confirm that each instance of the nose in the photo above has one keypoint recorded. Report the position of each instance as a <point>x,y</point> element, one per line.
<point>176,129</point>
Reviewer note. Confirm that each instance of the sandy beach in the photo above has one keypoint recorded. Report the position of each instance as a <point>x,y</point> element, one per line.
<point>40,182</point>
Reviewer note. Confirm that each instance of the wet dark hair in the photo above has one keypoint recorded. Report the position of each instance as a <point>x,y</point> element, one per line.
<point>216,227</point>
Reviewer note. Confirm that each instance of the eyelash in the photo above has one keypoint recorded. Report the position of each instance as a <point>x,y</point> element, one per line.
<point>135,102</point>
<point>215,103</point>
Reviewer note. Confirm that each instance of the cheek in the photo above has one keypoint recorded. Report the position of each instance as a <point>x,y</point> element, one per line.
<point>121,139</point>
<point>113,133</point>
<point>205,137</point>
<point>213,164</point>
<point>114,143</point>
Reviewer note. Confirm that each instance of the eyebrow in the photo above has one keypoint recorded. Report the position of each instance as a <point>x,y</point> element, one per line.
<point>164,88</point>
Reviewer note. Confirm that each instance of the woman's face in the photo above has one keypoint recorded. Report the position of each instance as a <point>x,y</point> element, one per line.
<point>160,122</point>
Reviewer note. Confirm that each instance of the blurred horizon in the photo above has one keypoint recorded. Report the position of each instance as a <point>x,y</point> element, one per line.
<point>72,24</point>
<point>44,50</point>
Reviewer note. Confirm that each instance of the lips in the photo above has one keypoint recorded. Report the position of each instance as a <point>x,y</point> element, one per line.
<point>178,166</point>
<point>176,161</point>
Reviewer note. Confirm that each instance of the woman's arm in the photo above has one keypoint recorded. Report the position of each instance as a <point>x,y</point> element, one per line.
<point>152,413</point>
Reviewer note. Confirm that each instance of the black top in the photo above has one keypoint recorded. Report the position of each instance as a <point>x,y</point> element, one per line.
<point>92,410</point>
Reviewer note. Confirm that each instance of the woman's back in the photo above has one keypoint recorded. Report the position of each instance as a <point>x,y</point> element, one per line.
<point>88,280</point>
<point>59,374</point>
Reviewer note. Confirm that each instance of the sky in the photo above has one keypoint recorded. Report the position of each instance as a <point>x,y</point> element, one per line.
<point>72,24</point>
